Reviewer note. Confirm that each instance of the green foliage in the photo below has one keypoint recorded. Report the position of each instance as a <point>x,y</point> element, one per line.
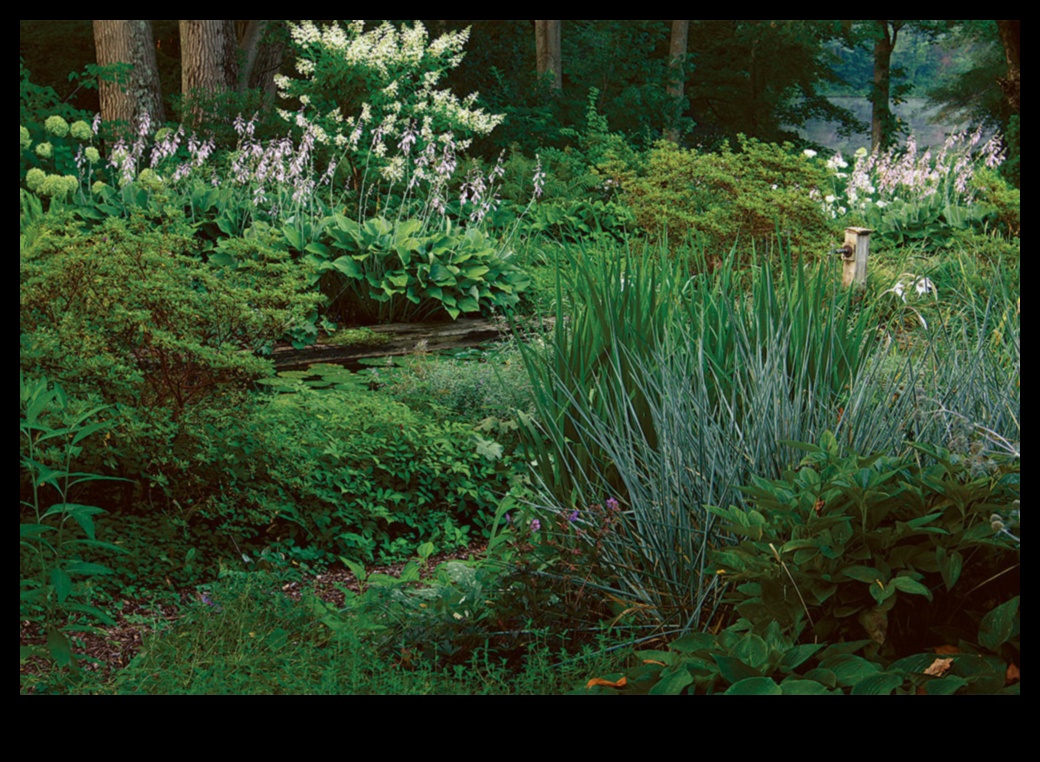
<point>471,385</point>
<point>848,545</point>
<point>52,567</point>
<point>739,661</point>
<point>383,271</point>
<point>718,198</point>
<point>352,473</point>
<point>665,392</point>
<point>130,313</point>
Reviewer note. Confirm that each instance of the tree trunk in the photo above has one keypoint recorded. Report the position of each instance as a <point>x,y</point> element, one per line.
<point>138,95</point>
<point>1011,85</point>
<point>547,48</point>
<point>209,64</point>
<point>881,118</point>
<point>677,81</point>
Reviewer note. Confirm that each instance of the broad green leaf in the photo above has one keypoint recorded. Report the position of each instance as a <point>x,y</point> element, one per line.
<point>349,267</point>
<point>797,655</point>
<point>881,684</point>
<point>60,648</point>
<point>672,682</point>
<point>909,585</point>
<point>950,566</point>
<point>62,584</point>
<point>997,626</point>
<point>755,686</point>
<point>849,669</point>
<point>796,686</point>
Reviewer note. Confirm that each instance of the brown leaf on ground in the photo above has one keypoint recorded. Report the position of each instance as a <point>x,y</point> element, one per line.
<point>1013,675</point>
<point>607,683</point>
<point>939,667</point>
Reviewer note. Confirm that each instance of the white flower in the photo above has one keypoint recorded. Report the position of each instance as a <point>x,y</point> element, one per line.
<point>829,198</point>
<point>809,152</point>
<point>925,286</point>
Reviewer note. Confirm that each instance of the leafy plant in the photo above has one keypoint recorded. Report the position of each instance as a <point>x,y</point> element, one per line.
<point>749,196</point>
<point>131,313</point>
<point>845,546</point>
<point>386,272</point>
<point>353,473</point>
<point>51,562</point>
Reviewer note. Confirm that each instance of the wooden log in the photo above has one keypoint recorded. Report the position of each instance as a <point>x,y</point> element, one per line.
<point>400,339</point>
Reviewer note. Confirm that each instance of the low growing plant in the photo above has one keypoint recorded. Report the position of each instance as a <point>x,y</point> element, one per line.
<point>55,531</point>
<point>902,552</point>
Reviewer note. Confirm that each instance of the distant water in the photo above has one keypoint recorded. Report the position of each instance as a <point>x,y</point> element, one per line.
<point>914,111</point>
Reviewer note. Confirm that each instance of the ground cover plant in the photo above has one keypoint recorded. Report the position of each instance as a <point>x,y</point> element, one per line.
<point>692,463</point>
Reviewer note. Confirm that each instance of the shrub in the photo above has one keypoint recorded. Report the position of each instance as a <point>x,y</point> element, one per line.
<point>901,552</point>
<point>718,198</point>
<point>353,473</point>
<point>131,314</point>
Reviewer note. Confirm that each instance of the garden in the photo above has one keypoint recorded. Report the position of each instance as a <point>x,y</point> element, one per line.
<point>690,460</point>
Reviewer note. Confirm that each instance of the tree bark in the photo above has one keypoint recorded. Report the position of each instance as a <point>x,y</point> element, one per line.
<point>1011,85</point>
<point>547,50</point>
<point>209,61</point>
<point>139,95</point>
<point>881,117</point>
<point>677,82</point>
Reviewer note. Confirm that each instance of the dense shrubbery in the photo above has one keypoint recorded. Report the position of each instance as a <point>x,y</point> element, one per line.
<point>749,196</point>
<point>354,474</point>
<point>130,314</point>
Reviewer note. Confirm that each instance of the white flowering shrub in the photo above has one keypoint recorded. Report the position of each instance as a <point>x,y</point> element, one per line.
<point>373,98</point>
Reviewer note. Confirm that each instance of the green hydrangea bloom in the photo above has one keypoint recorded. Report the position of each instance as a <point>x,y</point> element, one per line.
<point>23,137</point>
<point>81,130</point>
<point>92,154</point>
<point>162,133</point>
<point>56,126</point>
<point>44,149</point>
<point>150,180</point>
<point>98,186</point>
<point>34,178</point>
<point>58,186</point>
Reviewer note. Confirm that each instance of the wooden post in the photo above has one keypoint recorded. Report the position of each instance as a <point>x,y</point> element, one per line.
<point>854,257</point>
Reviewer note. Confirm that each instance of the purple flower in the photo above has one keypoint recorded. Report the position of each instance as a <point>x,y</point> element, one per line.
<point>612,504</point>
<point>509,519</point>
<point>574,516</point>
<point>536,525</point>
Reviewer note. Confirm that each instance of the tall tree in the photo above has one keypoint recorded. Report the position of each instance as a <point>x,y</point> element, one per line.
<point>1011,84</point>
<point>209,62</point>
<point>677,64</point>
<point>547,51</point>
<point>260,54</point>
<point>882,121</point>
<point>138,93</point>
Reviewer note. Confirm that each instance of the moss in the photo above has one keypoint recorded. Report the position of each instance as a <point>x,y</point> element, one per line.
<point>358,337</point>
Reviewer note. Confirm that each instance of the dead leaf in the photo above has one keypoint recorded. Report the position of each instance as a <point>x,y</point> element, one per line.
<point>939,667</point>
<point>654,661</point>
<point>1013,675</point>
<point>606,683</point>
<point>947,650</point>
